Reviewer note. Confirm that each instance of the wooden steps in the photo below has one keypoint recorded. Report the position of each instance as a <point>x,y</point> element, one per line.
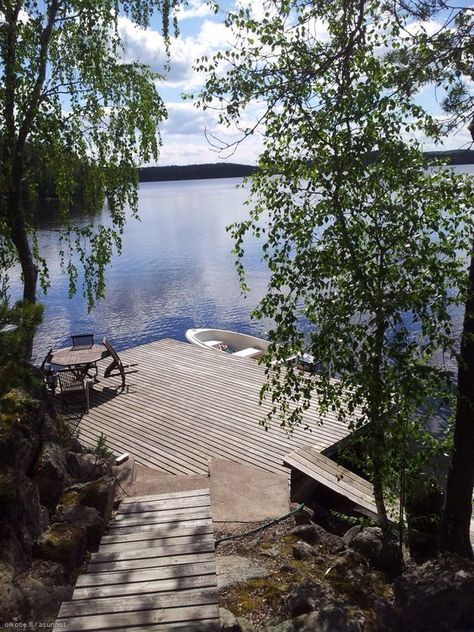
<point>154,570</point>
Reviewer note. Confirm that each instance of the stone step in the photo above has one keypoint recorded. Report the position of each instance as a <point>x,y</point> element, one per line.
<point>148,481</point>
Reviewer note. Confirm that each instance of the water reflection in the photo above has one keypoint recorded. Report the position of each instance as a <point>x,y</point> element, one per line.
<point>176,271</point>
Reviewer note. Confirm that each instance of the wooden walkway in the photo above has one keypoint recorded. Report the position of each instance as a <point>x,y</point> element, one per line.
<point>338,479</point>
<point>154,571</point>
<point>319,468</point>
<point>185,405</point>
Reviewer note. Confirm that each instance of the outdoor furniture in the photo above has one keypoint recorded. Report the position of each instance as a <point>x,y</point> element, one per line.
<point>83,359</point>
<point>74,387</point>
<point>82,341</point>
<point>49,374</point>
<point>116,363</point>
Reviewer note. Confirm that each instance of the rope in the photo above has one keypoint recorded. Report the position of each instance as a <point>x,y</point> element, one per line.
<point>261,527</point>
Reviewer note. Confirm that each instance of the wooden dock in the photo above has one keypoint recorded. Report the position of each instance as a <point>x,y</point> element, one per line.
<point>308,463</point>
<point>154,571</point>
<point>184,405</point>
<point>317,467</point>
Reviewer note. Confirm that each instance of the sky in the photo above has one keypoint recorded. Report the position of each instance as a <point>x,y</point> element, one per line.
<point>203,33</point>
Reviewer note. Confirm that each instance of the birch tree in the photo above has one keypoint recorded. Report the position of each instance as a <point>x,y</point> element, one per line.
<point>68,96</point>
<point>364,245</point>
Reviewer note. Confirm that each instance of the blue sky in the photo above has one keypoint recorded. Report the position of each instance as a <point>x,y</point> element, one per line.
<point>203,33</point>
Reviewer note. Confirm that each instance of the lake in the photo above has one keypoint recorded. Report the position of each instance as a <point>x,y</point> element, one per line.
<point>176,271</point>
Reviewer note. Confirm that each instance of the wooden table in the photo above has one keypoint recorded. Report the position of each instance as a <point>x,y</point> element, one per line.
<point>79,357</point>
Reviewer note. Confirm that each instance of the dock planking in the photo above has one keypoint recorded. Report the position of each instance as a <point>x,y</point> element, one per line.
<point>165,580</point>
<point>310,463</point>
<point>185,405</point>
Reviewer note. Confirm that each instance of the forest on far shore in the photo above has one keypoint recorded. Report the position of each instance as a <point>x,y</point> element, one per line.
<point>234,170</point>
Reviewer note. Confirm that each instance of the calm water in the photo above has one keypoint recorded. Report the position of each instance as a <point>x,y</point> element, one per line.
<point>176,271</point>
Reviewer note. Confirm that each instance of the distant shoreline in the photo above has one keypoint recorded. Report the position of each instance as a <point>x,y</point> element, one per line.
<point>233,170</point>
<point>195,172</point>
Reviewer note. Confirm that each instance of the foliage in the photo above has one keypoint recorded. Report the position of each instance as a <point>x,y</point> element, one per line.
<point>365,257</point>
<point>14,372</point>
<point>70,97</point>
<point>438,52</point>
<point>102,451</point>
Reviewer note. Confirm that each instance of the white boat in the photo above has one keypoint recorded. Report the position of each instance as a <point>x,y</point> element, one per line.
<point>232,342</point>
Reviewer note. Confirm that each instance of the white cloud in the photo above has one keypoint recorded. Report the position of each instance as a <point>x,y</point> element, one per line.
<point>194,9</point>
<point>148,47</point>
<point>185,141</point>
<point>184,133</point>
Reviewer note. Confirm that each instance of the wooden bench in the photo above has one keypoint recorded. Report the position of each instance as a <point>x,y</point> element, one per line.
<point>250,352</point>
<point>308,466</point>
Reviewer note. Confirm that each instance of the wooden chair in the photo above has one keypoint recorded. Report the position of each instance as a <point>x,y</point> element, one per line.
<point>50,376</point>
<point>116,363</point>
<point>82,341</point>
<point>74,386</point>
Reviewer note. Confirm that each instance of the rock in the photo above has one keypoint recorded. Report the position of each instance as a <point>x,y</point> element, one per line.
<point>338,617</point>
<point>49,430</point>
<point>86,518</point>
<point>98,494</point>
<point>12,550</point>
<point>44,588</point>
<point>330,618</point>
<point>75,445</point>
<point>19,443</point>
<point>230,623</point>
<point>319,513</point>
<point>19,517</point>
<point>437,595</point>
<point>273,551</point>
<point>86,467</point>
<point>12,601</point>
<point>234,569</point>
<point>302,550</point>
<point>50,474</point>
<point>62,543</point>
<point>288,568</point>
<point>43,519</point>
<point>291,625</point>
<point>349,561</point>
<point>307,532</point>
<point>303,598</point>
<point>304,516</point>
<point>382,555</point>
<point>315,534</point>
<point>350,534</point>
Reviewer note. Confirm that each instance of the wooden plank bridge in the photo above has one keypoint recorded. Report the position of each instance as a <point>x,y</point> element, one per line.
<point>154,571</point>
<point>184,405</point>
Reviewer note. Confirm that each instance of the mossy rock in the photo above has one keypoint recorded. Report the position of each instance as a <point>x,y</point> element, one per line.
<point>86,518</point>
<point>7,486</point>
<point>51,474</point>
<point>62,543</point>
<point>18,441</point>
<point>70,498</point>
<point>98,494</point>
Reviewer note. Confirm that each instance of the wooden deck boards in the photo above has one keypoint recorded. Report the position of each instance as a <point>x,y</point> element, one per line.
<point>333,476</point>
<point>339,479</point>
<point>166,580</point>
<point>185,405</point>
